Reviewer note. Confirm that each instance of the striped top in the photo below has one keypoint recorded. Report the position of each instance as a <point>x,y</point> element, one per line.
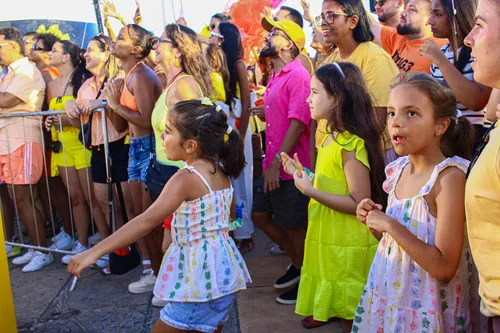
<point>475,117</point>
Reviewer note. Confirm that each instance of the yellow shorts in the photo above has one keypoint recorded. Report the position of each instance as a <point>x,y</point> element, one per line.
<point>72,154</point>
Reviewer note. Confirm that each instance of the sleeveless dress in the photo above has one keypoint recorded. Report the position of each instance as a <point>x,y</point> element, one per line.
<point>203,263</point>
<point>73,152</point>
<point>400,296</point>
<point>338,248</point>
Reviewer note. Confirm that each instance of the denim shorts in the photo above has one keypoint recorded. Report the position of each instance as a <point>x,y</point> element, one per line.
<point>139,157</point>
<point>198,316</point>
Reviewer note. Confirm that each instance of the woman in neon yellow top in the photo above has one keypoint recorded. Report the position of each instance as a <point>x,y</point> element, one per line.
<point>70,158</point>
<point>220,75</point>
<point>178,53</point>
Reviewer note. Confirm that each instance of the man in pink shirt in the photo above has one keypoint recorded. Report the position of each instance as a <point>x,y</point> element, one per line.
<point>279,209</point>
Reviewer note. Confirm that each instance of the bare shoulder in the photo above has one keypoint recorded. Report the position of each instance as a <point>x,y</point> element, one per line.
<point>450,182</point>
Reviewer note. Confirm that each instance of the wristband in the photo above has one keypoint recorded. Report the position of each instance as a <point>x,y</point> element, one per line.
<point>309,174</point>
<point>315,24</point>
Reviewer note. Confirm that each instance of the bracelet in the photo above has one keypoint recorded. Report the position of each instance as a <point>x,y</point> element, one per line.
<point>309,174</point>
<point>315,24</point>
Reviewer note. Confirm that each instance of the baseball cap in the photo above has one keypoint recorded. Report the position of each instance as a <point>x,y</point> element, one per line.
<point>290,28</point>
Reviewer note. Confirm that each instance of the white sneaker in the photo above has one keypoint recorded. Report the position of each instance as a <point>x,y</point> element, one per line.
<point>24,259</point>
<point>62,241</point>
<point>79,248</point>
<point>158,302</point>
<point>276,249</point>
<point>145,284</point>
<point>39,261</point>
<point>94,239</point>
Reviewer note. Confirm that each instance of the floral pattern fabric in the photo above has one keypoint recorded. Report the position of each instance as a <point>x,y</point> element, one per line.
<point>203,262</point>
<point>400,296</point>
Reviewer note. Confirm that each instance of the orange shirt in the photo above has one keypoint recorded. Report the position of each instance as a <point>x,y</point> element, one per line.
<point>88,91</point>
<point>24,81</point>
<point>406,53</point>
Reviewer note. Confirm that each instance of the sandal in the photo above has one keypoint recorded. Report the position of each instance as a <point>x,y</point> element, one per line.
<point>310,323</point>
<point>245,245</point>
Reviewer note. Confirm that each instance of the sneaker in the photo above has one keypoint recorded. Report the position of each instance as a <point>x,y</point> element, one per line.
<point>62,241</point>
<point>94,239</point>
<point>39,261</point>
<point>13,251</point>
<point>101,263</point>
<point>145,284</point>
<point>79,248</point>
<point>159,302</point>
<point>276,249</point>
<point>290,297</point>
<point>291,277</point>
<point>25,259</point>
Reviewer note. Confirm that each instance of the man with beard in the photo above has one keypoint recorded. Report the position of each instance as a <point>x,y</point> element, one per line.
<point>482,195</point>
<point>279,208</point>
<point>389,11</point>
<point>404,42</point>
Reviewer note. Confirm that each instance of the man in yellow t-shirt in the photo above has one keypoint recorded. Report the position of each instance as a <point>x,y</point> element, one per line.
<point>482,193</point>
<point>376,65</point>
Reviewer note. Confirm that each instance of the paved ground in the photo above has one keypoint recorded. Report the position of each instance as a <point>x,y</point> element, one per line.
<point>101,304</point>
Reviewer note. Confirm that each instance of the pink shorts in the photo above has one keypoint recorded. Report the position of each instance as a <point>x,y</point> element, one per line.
<point>23,166</point>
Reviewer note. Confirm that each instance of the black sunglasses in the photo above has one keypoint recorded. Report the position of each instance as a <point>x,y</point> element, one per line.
<point>37,48</point>
<point>379,2</point>
<point>480,148</point>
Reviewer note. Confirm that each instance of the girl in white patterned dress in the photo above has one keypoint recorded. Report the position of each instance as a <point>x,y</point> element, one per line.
<point>202,270</point>
<point>419,279</point>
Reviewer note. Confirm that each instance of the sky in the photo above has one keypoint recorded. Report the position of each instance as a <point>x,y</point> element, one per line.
<point>155,13</point>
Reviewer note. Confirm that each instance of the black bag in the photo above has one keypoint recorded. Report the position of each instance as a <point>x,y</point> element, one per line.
<point>157,176</point>
<point>86,131</point>
<point>126,259</point>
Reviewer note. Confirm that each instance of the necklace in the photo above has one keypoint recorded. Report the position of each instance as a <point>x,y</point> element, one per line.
<point>58,100</point>
<point>174,78</point>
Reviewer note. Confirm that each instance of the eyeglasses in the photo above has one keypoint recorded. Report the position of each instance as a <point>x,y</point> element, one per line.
<point>214,34</point>
<point>329,18</point>
<point>379,2</point>
<point>480,148</point>
<point>278,32</point>
<point>37,48</point>
<point>160,40</point>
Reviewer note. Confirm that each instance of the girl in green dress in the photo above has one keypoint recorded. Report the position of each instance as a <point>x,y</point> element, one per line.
<point>338,248</point>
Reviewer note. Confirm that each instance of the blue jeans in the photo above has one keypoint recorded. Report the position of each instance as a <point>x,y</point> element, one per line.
<point>198,316</point>
<point>139,157</point>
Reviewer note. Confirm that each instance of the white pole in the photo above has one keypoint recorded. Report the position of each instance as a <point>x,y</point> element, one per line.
<point>163,14</point>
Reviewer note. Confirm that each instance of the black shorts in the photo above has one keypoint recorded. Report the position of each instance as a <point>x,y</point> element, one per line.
<point>157,175</point>
<point>118,151</point>
<point>287,204</point>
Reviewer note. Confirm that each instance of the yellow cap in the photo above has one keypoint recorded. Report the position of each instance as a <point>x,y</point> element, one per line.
<point>291,29</point>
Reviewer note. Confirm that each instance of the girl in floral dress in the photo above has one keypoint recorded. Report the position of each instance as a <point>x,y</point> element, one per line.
<point>202,270</point>
<point>419,279</point>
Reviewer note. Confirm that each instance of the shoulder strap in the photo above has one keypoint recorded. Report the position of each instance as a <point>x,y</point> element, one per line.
<point>454,161</point>
<point>193,170</point>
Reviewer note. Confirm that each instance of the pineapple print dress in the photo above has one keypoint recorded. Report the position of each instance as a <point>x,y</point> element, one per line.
<point>400,296</point>
<point>203,263</point>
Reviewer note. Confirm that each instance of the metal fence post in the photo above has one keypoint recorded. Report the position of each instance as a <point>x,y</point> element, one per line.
<point>7,315</point>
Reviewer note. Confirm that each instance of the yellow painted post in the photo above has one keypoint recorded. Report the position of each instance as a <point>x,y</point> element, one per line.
<point>7,314</point>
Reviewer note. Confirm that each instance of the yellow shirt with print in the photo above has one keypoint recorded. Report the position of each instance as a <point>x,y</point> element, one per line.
<point>482,206</point>
<point>378,69</point>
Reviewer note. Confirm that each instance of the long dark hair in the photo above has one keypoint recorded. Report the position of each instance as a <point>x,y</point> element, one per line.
<point>193,61</point>
<point>80,74</point>
<point>363,31</point>
<point>353,112</point>
<point>142,38</point>
<point>207,124</point>
<point>459,137</point>
<point>461,25</point>
<point>233,48</point>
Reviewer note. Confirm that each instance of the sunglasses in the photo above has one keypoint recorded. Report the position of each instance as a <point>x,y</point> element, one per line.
<point>212,27</point>
<point>214,34</point>
<point>329,18</point>
<point>37,48</point>
<point>480,148</point>
<point>278,32</point>
<point>379,2</point>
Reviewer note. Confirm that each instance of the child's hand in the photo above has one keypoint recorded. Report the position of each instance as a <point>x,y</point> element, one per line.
<point>302,182</point>
<point>289,165</point>
<point>364,207</point>
<point>379,221</point>
<point>81,261</point>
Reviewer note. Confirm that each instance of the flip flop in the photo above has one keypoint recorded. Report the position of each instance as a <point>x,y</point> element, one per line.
<point>310,323</point>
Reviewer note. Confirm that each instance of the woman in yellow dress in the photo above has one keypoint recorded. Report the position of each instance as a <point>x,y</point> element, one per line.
<point>70,158</point>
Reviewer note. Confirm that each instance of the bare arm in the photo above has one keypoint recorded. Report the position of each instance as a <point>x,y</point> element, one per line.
<point>241,73</point>
<point>491,108</point>
<point>358,183</point>
<point>442,259</point>
<point>313,152</point>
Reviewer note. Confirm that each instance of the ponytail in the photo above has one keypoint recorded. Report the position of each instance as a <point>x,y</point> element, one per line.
<point>459,138</point>
<point>232,157</point>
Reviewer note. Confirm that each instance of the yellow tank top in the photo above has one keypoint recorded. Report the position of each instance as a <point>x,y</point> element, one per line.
<point>219,92</point>
<point>158,119</point>
<point>58,104</point>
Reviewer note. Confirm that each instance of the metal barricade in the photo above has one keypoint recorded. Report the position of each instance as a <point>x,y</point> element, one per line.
<point>112,215</point>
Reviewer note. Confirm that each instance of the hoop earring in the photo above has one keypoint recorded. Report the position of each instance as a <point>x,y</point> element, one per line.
<point>177,63</point>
